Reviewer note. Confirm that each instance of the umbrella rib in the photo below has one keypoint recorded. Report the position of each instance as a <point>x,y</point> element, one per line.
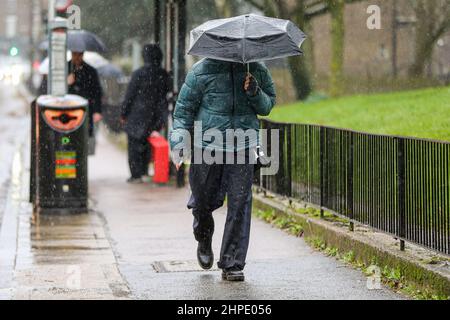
<point>244,41</point>
<point>269,24</point>
<point>222,22</point>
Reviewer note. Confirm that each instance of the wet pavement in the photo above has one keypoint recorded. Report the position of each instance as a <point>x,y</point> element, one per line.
<point>12,116</point>
<point>150,231</point>
<point>137,243</point>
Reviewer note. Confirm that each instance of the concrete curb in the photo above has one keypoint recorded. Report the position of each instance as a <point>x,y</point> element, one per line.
<point>430,277</point>
<point>10,223</point>
<point>12,208</point>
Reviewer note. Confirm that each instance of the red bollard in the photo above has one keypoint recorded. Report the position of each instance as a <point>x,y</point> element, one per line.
<point>160,155</point>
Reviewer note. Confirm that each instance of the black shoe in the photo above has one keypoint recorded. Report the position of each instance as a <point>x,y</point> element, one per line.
<point>205,255</point>
<point>135,181</point>
<point>233,275</point>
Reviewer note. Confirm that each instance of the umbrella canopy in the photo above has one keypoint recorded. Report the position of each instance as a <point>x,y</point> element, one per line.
<point>80,41</point>
<point>92,58</point>
<point>246,38</point>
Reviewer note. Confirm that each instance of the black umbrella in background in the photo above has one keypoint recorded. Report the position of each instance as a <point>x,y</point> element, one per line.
<point>247,38</point>
<point>80,41</point>
<point>110,71</point>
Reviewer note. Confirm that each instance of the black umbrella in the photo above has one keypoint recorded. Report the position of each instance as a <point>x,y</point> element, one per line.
<point>80,41</point>
<point>246,39</point>
<point>110,71</point>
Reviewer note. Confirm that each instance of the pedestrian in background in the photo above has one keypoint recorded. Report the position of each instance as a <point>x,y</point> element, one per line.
<point>83,80</point>
<point>145,109</point>
<point>223,96</point>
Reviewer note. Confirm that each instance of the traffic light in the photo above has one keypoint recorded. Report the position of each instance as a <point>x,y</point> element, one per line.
<point>13,51</point>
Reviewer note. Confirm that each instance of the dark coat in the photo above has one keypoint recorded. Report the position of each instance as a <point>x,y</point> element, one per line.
<point>145,106</point>
<point>87,85</point>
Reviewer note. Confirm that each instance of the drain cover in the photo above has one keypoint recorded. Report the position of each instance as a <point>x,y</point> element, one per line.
<point>178,266</point>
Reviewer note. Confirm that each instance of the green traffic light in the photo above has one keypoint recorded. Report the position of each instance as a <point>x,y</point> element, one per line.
<point>13,51</point>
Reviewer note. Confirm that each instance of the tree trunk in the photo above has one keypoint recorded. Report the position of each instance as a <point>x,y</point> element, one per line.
<point>298,67</point>
<point>418,67</point>
<point>337,46</point>
<point>422,55</point>
<point>300,77</point>
<point>432,23</point>
<point>224,8</point>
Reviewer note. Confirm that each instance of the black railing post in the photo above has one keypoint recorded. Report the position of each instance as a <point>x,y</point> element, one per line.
<point>401,191</point>
<point>288,137</point>
<point>279,178</point>
<point>322,170</point>
<point>350,181</point>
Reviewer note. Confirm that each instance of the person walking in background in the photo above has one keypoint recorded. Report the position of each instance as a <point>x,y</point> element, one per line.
<point>222,96</point>
<point>144,109</point>
<point>83,80</point>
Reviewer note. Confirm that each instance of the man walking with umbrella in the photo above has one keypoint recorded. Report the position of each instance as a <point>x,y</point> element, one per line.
<point>83,80</point>
<point>226,91</point>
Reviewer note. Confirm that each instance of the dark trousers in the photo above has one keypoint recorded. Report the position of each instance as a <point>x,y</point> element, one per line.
<point>210,184</point>
<point>138,156</point>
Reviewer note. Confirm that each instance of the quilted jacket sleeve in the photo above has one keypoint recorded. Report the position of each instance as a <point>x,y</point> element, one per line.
<point>186,109</point>
<point>265,100</point>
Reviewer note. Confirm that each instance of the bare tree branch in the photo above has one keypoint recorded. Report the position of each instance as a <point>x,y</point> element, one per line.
<point>312,4</point>
<point>321,7</point>
<point>316,11</point>
<point>270,8</point>
<point>256,4</point>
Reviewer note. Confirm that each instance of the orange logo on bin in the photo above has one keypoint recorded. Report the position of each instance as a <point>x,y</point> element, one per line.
<point>64,120</point>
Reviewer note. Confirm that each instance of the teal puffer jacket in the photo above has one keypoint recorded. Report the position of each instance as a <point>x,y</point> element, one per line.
<point>213,93</point>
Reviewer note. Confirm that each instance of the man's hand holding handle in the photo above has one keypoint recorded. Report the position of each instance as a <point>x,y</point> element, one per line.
<point>251,86</point>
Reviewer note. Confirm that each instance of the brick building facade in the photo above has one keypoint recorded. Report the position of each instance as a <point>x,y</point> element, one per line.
<point>369,53</point>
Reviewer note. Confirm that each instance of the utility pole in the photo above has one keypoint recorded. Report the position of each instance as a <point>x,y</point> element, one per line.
<point>157,22</point>
<point>394,39</point>
<point>181,39</point>
<point>34,32</point>
<point>57,48</point>
<point>51,10</point>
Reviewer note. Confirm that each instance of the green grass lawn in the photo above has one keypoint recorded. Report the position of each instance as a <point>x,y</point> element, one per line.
<point>422,113</point>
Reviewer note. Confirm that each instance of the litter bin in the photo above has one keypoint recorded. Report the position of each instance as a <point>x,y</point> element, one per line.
<point>61,154</point>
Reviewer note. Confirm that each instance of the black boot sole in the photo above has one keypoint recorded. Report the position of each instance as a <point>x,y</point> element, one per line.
<point>233,277</point>
<point>206,267</point>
